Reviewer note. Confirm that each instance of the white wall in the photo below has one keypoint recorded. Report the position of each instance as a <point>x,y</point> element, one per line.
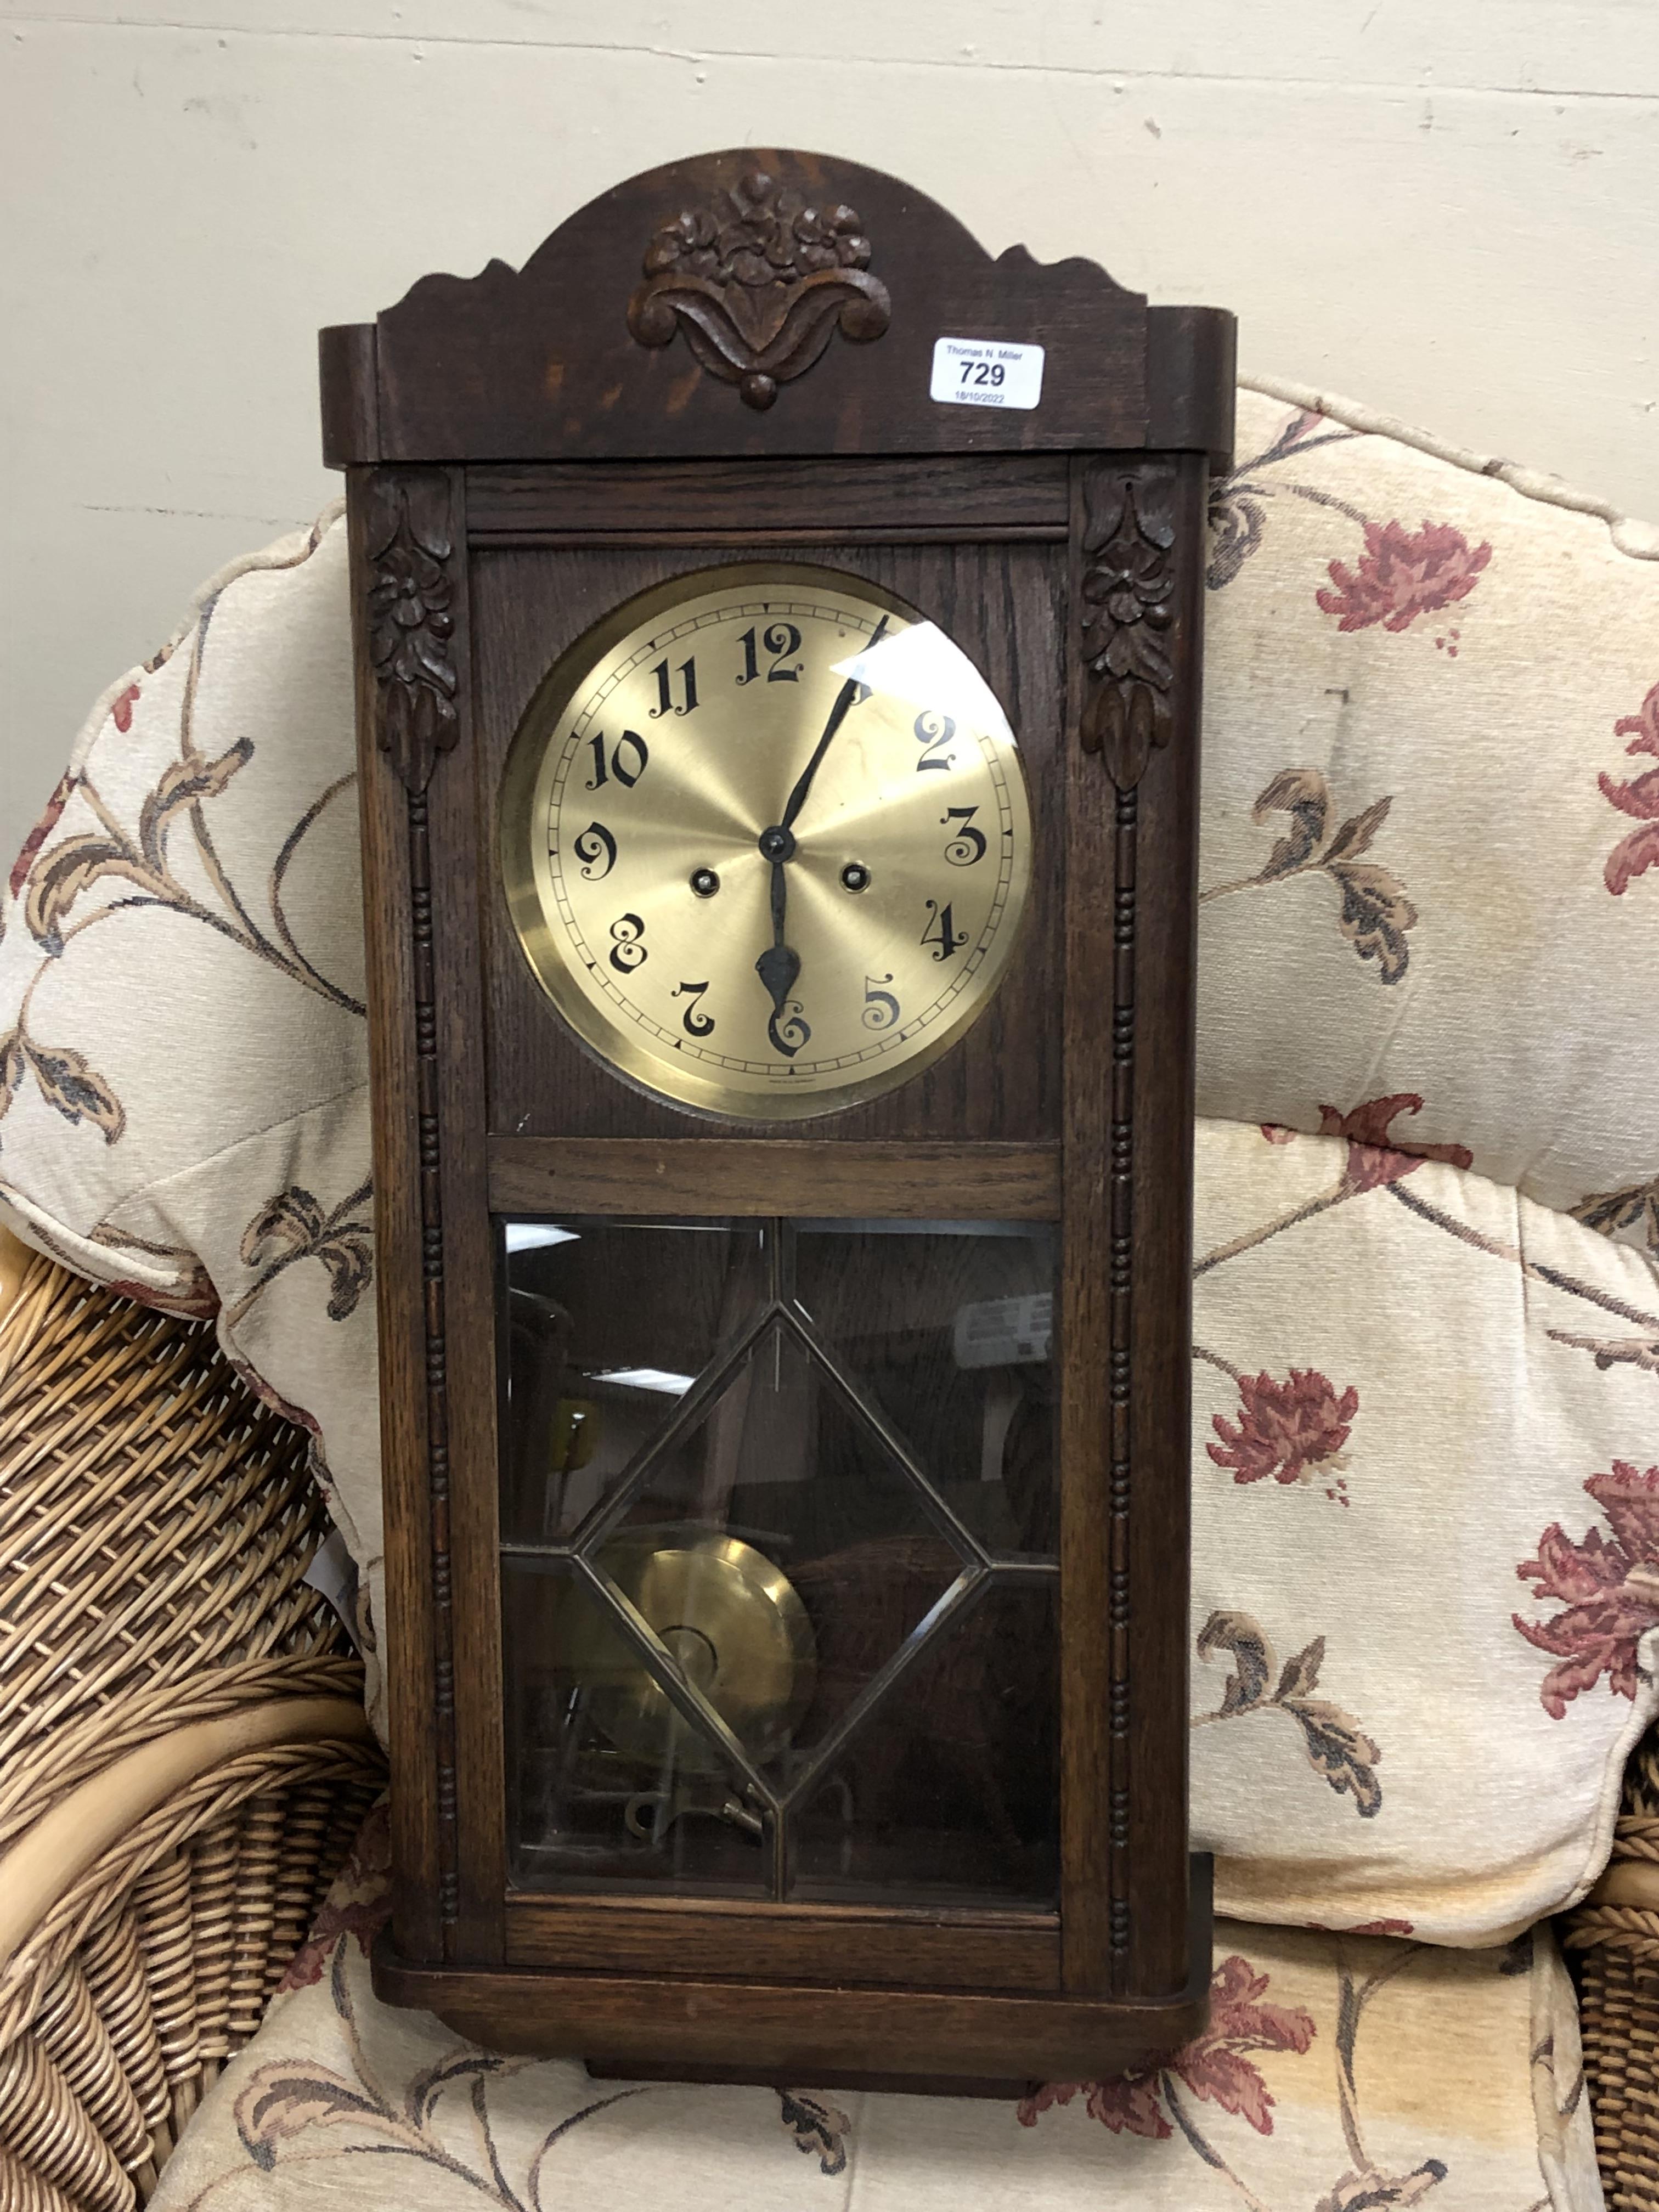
<point>1449,208</point>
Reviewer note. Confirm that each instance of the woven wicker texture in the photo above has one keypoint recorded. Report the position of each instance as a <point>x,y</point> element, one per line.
<point>1615,1950</point>
<point>155,1522</point>
<point>155,1525</point>
<point>122,2008</point>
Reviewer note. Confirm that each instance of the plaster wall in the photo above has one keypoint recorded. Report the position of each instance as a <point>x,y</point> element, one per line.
<point>1450,211</point>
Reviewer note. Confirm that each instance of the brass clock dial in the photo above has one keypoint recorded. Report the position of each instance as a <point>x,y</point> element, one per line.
<point>766,840</point>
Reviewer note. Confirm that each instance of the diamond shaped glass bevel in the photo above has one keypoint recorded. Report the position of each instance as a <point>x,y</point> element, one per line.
<point>608,1788</point>
<point>796,1553</point>
<point>950,1790</point>
<point>947,1329</point>
<point>608,1326</point>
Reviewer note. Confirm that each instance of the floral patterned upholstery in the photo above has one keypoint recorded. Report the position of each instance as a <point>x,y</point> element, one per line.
<point>1426,1384</point>
<point>1337,2073</point>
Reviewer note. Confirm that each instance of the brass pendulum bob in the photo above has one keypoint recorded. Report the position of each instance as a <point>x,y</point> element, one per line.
<point>733,1625</point>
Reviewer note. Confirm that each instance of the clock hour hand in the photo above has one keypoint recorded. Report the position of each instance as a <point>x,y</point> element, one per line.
<point>779,965</point>
<point>846,697</point>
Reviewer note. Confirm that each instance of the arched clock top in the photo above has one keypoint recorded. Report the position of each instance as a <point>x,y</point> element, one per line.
<point>766,302</point>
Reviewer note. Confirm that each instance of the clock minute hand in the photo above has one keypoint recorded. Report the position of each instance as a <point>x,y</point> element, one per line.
<point>845,698</point>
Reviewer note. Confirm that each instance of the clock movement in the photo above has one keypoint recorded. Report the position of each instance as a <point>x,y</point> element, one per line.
<point>777,632</point>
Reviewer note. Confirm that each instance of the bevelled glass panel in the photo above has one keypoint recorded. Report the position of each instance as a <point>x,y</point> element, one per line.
<point>949,1794</point>
<point>756,1477</point>
<point>609,1786</point>
<point>783,1480</point>
<point>948,1327</point>
<point>607,1324</point>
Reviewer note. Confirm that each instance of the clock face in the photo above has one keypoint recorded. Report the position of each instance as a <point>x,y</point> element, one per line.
<point>765,840</point>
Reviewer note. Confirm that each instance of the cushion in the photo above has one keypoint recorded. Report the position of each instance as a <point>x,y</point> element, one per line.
<point>1431,827</point>
<point>1427,1302</point>
<point>1336,2073</point>
<point>1422,1470</point>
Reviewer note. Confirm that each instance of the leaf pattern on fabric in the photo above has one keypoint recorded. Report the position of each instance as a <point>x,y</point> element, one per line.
<point>1236,525</point>
<point>1635,854</point>
<point>70,869</point>
<point>1336,1746</point>
<point>182,787</point>
<point>1608,1587</point>
<point>1305,795</point>
<point>1215,2066</point>
<point>291,1226</point>
<point>285,2105</point>
<point>1253,1665</point>
<point>1375,915</point>
<point>817,2129</point>
<point>131,863</point>
<point>287,2098</point>
<point>1610,1212</point>
<point>66,1080</point>
<point>1239,502</point>
<point>1375,2192</point>
<point>1638,1351</point>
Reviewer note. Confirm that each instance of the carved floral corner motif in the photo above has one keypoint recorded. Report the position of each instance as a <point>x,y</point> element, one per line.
<point>1127,590</point>
<point>759,280</point>
<point>410,628</point>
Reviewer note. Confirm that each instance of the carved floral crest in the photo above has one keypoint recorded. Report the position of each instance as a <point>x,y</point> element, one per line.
<point>1127,590</point>
<point>758,279</point>
<point>409,626</point>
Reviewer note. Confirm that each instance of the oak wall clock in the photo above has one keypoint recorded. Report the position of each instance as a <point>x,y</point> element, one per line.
<point>777,632</point>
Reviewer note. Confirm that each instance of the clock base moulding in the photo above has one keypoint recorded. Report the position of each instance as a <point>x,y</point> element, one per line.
<point>977,2043</point>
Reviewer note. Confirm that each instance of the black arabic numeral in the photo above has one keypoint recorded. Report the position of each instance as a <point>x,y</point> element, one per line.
<point>968,845</point>
<point>693,1021</point>
<point>627,763</point>
<point>941,932</point>
<point>782,640</point>
<point>595,844</point>
<point>933,734</point>
<point>881,1008</point>
<point>627,952</point>
<point>667,703</point>
<point>786,1029</point>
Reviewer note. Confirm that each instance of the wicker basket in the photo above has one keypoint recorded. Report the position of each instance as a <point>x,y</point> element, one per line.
<point>1612,1940</point>
<point>183,1756</point>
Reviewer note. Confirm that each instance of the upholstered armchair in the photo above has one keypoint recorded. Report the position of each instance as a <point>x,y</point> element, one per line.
<point>1426,1402</point>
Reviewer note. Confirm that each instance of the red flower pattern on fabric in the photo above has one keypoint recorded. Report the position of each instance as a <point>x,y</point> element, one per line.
<point>42,829</point>
<point>1286,1429</point>
<point>359,1904</point>
<point>1604,1618</point>
<point>1639,797</point>
<point>1375,1156</point>
<point>1214,2065</point>
<point>1403,574</point>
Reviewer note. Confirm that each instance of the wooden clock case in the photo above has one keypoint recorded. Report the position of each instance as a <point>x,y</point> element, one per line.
<point>523,452</point>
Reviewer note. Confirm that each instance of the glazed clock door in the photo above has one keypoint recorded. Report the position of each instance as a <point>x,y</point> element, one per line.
<point>780,1555</point>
